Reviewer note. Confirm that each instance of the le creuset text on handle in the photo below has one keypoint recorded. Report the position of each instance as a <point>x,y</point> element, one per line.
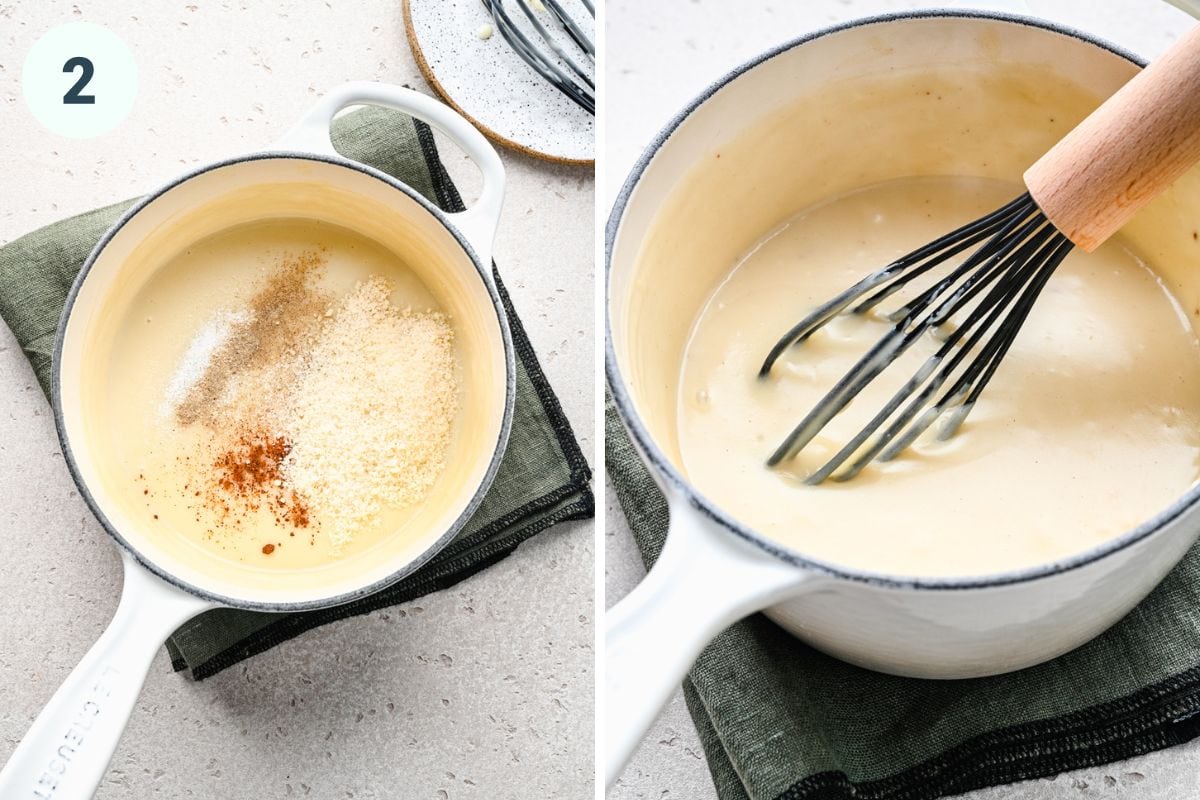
<point>478,223</point>
<point>65,753</point>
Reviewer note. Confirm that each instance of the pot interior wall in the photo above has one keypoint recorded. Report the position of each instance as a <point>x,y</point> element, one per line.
<point>960,96</point>
<point>283,188</point>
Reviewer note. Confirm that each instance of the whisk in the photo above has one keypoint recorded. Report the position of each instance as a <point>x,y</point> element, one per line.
<point>547,59</point>
<point>1081,192</point>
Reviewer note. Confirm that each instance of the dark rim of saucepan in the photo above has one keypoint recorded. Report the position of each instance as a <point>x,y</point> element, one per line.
<point>431,550</point>
<point>675,480</point>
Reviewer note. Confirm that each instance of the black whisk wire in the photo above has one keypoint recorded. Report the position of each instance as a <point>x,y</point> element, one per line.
<point>936,252</point>
<point>574,82</point>
<point>573,29</point>
<point>1017,252</point>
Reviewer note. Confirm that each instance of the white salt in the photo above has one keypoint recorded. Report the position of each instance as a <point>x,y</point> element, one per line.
<point>191,368</point>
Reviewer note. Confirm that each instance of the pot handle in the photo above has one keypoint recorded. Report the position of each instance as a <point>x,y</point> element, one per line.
<point>706,579</point>
<point>65,754</point>
<point>478,223</point>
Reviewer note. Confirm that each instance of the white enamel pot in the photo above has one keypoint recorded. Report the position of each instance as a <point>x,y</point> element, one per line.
<point>715,570</point>
<point>65,753</point>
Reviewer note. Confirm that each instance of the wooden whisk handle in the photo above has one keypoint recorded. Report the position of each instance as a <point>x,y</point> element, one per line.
<point>1127,152</point>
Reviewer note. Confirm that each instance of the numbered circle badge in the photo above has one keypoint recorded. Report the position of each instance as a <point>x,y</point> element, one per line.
<point>80,80</point>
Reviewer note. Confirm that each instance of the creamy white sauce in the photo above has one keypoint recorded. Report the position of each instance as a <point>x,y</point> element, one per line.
<point>1090,426</point>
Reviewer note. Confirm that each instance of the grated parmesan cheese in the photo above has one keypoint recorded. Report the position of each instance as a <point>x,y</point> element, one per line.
<point>369,419</point>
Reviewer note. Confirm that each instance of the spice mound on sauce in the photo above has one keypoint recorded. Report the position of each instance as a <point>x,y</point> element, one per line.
<point>317,413</point>
<point>251,474</point>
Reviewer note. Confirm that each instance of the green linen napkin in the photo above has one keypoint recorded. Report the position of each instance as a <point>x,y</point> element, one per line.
<point>780,720</point>
<point>543,478</point>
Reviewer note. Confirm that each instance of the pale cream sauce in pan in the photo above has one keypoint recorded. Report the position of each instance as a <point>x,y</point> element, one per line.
<point>1090,426</point>
<point>177,470</point>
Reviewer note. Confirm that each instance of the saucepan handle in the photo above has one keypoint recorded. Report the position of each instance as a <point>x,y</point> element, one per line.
<point>66,752</point>
<point>478,223</point>
<point>705,579</point>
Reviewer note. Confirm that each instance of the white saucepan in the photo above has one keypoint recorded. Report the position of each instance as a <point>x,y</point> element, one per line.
<point>65,753</point>
<point>714,569</point>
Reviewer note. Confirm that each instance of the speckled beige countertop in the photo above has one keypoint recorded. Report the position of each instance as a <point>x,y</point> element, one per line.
<point>645,88</point>
<point>484,690</point>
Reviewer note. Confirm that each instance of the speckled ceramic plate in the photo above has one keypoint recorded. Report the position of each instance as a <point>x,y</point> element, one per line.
<point>490,85</point>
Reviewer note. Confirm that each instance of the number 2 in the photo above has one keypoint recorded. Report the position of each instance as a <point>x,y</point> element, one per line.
<point>73,96</point>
